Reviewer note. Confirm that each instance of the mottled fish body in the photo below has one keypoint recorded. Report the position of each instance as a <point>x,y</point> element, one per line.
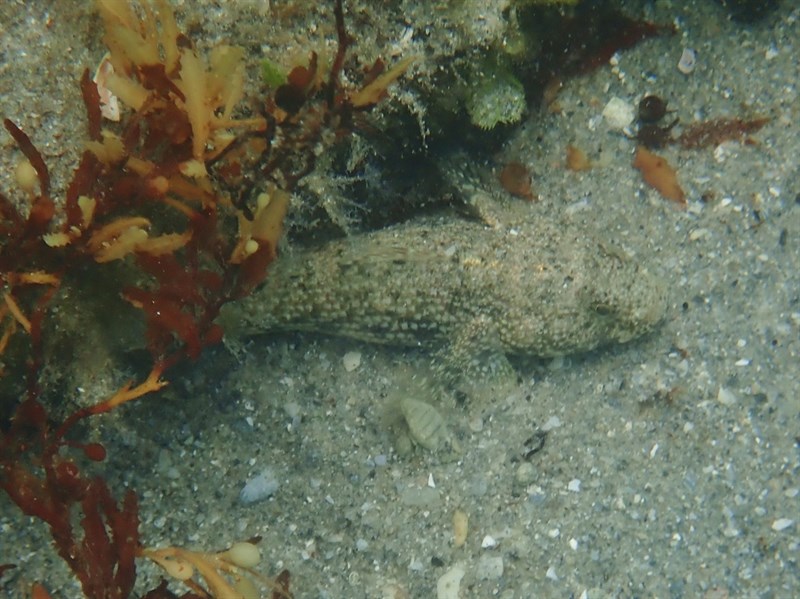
<point>538,289</point>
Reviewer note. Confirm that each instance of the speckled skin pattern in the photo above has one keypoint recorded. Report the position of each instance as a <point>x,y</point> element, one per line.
<point>540,289</point>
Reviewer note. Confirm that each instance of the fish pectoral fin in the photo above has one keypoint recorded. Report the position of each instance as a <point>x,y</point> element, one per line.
<point>474,357</point>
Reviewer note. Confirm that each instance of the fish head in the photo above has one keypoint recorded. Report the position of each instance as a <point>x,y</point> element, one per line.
<point>622,300</point>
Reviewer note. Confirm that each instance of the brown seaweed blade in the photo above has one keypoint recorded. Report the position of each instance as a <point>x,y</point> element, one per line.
<point>712,133</point>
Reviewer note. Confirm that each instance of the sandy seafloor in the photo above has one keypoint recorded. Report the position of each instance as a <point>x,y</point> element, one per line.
<point>671,465</point>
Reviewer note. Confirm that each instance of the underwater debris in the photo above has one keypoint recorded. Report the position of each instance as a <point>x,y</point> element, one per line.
<point>658,173</point>
<point>577,160</point>
<point>654,136</point>
<point>415,423</point>
<point>651,109</point>
<point>716,131</point>
<point>516,180</point>
<point>650,134</point>
<point>259,487</point>
<point>460,528</point>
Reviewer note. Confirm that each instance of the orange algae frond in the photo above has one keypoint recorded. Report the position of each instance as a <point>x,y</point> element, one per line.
<point>658,173</point>
<point>373,92</point>
<point>228,573</point>
<point>142,79</point>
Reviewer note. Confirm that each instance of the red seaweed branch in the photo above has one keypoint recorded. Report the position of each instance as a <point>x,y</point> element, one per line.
<point>149,194</point>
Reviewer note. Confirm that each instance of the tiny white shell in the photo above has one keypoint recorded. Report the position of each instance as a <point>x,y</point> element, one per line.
<point>109,105</point>
<point>687,61</point>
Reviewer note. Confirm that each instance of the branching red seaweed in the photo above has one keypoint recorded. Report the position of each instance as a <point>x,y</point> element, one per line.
<point>151,192</point>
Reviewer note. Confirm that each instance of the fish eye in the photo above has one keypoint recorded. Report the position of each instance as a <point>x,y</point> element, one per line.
<point>603,309</point>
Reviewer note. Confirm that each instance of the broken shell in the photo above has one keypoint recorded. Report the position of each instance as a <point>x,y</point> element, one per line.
<point>109,104</point>
<point>687,61</point>
<point>425,425</point>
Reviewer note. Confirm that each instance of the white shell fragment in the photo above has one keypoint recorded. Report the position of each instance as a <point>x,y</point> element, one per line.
<point>426,426</point>
<point>488,542</point>
<point>109,105</point>
<point>618,113</point>
<point>688,61</point>
<point>259,487</point>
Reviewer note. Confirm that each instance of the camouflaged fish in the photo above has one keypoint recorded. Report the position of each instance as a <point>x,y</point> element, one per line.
<point>537,289</point>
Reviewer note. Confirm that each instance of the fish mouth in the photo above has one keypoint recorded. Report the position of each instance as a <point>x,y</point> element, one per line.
<point>649,315</point>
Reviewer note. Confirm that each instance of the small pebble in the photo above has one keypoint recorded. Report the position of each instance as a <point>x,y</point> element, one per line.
<point>449,584</point>
<point>573,544</point>
<point>552,423</point>
<point>259,487</point>
<point>574,485</point>
<point>526,473</point>
<point>726,397</point>
<point>490,567</point>
<point>351,360</point>
<point>782,524</point>
<point>618,113</point>
<point>488,542</point>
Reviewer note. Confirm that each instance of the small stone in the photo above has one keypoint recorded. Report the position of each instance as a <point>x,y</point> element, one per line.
<point>726,397</point>
<point>552,423</point>
<point>618,113</point>
<point>574,485</point>
<point>526,473</point>
<point>782,524</point>
<point>573,544</point>
<point>449,584</point>
<point>259,487</point>
<point>351,360</point>
<point>490,567</point>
